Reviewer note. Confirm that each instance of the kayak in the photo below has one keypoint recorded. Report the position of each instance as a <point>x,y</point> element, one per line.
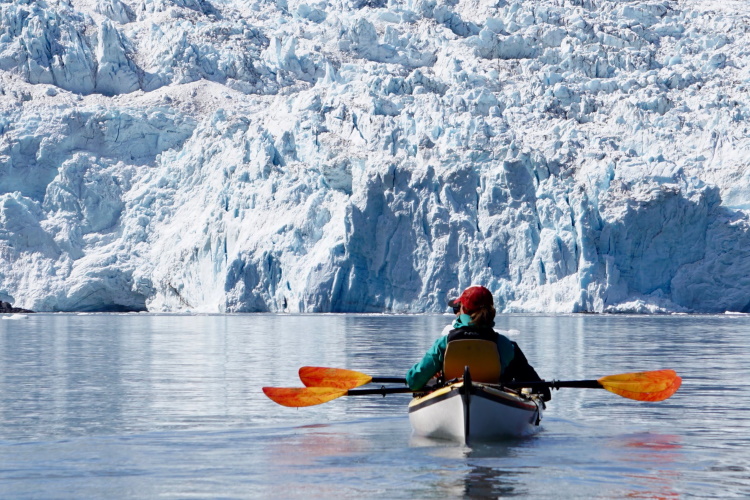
<point>468,412</point>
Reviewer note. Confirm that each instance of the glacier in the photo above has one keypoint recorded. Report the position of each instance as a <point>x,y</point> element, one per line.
<point>374,155</point>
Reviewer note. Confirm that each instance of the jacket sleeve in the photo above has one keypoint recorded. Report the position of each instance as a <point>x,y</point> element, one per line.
<point>431,363</point>
<point>520,370</point>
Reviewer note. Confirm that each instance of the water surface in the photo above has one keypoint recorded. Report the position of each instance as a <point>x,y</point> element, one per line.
<point>146,406</point>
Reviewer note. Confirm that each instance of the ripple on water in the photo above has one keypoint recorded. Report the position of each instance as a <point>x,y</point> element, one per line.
<point>146,406</point>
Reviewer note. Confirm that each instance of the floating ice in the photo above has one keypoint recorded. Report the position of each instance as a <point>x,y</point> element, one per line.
<point>14,317</point>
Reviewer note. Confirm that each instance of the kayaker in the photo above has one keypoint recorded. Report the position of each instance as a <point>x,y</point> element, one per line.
<point>475,321</point>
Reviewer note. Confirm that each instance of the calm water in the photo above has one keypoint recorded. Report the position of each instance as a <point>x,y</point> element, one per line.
<point>147,406</point>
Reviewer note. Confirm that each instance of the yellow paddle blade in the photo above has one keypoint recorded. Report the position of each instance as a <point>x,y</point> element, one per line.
<point>655,385</point>
<point>297,397</point>
<point>316,376</point>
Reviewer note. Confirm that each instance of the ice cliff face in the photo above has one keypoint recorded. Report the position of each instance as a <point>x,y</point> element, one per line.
<point>354,155</point>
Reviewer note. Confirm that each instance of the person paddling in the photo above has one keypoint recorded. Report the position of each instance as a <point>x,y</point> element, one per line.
<point>475,321</point>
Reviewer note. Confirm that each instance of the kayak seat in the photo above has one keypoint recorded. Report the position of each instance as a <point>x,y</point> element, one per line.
<point>480,356</point>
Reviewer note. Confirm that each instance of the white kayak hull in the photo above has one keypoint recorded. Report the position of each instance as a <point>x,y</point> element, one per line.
<point>484,413</point>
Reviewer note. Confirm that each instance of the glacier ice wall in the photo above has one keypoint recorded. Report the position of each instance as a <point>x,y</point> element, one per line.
<point>379,155</point>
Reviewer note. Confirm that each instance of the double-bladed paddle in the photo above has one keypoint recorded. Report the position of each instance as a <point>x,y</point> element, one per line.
<point>327,384</point>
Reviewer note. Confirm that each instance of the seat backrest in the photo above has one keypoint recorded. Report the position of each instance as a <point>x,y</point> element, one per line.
<point>480,356</point>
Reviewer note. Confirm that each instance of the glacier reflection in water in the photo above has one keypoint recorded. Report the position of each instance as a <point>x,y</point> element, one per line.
<point>145,406</point>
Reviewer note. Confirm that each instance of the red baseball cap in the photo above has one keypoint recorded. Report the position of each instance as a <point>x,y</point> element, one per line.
<point>473,298</point>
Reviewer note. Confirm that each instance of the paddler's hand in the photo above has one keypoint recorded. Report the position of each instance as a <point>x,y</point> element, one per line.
<point>545,393</point>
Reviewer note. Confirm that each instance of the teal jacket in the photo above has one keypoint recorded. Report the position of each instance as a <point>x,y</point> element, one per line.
<point>432,362</point>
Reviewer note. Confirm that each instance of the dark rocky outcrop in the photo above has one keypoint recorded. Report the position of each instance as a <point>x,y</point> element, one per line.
<point>6,308</point>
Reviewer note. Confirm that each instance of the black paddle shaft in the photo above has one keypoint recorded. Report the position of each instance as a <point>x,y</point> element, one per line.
<point>556,384</point>
<point>553,384</point>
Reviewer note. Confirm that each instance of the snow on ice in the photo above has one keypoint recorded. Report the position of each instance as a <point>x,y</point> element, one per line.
<point>374,155</point>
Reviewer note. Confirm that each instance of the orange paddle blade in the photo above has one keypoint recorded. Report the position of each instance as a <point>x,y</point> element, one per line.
<point>655,385</point>
<point>648,396</point>
<point>316,376</point>
<point>297,397</point>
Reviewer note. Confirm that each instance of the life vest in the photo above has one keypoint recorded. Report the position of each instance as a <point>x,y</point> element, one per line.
<point>485,351</point>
